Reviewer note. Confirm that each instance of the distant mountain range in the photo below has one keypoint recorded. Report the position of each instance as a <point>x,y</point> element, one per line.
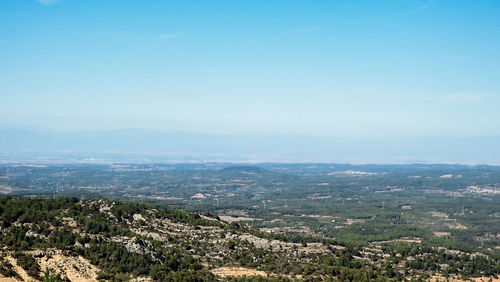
<point>179,146</point>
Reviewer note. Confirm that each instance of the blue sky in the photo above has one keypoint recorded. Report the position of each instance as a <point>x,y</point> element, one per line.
<point>355,69</point>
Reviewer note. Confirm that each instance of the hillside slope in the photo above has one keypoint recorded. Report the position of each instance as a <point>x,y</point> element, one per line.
<point>67,239</point>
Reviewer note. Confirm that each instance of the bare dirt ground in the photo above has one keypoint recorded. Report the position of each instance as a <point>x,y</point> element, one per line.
<point>75,268</point>
<point>456,225</point>
<point>230,219</point>
<point>485,279</point>
<point>452,279</point>
<point>237,271</point>
<point>19,269</point>
<point>439,214</point>
<point>406,240</point>
<point>350,221</point>
<point>442,234</point>
<point>449,222</point>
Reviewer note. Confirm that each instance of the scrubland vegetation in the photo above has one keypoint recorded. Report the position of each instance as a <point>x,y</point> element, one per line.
<point>291,222</point>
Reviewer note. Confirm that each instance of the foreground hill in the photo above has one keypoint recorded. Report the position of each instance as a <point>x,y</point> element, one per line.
<point>68,239</point>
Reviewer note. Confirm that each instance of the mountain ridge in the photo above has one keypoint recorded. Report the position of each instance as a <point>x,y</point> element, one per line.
<point>139,144</point>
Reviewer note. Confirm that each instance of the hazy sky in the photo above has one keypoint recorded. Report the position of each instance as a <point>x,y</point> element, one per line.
<point>320,68</point>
